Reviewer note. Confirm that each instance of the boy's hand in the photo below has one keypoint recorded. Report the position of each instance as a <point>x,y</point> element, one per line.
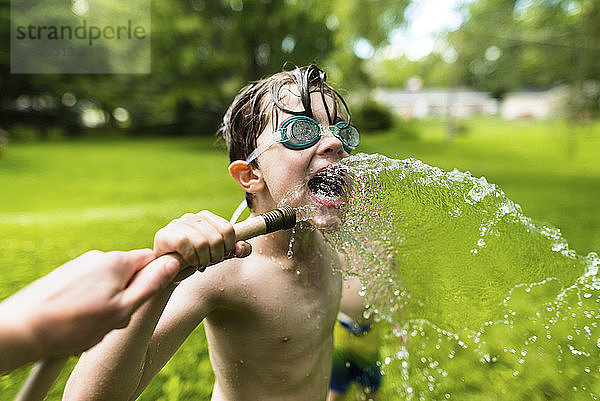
<point>200,239</point>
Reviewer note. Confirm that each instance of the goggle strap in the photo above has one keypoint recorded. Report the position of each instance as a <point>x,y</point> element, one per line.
<point>255,153</point>
<point>277,137</point>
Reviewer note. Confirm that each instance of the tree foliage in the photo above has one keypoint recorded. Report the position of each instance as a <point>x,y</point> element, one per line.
<point>204,51</point>
<point>511,44</point>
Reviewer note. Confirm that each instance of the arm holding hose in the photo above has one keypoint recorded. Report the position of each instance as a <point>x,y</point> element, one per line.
<point>123,364</point>
<point>73,307</point>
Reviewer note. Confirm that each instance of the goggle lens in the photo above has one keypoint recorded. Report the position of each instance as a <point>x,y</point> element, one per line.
<point>302,132</point>
<point>348,134</point>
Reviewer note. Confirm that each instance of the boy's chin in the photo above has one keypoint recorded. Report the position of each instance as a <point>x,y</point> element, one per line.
<point>320,212</point>
<point>327,220</point>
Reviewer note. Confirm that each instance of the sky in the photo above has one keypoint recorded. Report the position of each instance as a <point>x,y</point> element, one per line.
<point>426,20</point>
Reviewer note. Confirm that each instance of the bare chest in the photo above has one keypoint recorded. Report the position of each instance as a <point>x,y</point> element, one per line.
<point>283,310</point>
<point>274,335</point>
<point>304,306</point>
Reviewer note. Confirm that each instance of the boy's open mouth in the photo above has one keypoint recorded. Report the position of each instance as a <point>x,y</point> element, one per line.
<point>328,187</point>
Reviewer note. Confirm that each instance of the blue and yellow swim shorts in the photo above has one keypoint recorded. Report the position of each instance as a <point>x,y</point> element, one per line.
<point>355,356</point>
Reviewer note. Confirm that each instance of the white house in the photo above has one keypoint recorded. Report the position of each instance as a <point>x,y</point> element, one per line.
<point>437,102</point>
<point>464,103</point>
<point>531,104</point>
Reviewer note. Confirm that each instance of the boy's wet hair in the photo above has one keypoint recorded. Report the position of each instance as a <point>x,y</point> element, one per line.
<point>257,103</point>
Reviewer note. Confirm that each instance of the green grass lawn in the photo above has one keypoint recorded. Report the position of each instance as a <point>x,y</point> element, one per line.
<point>60,199</point>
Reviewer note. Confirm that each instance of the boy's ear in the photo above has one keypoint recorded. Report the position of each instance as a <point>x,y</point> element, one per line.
<point>248,177</point>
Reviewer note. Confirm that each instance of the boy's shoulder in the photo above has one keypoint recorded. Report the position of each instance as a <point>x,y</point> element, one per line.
<point>221,283</point>
<point>229,282</point>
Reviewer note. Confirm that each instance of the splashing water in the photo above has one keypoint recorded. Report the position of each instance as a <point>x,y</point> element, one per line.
<point>494,305</point>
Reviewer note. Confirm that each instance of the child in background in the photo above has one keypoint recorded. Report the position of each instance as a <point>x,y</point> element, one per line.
<point>268,317</point>
<point>356,347</point>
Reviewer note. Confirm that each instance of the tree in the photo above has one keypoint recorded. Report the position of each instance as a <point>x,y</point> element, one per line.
<point>507,44</point>
<point>203,51</point>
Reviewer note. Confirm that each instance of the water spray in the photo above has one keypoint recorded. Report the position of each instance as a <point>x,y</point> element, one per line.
<point>45,372</point>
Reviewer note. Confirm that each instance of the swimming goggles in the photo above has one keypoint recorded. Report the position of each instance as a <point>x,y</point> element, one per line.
<point>301,132</point>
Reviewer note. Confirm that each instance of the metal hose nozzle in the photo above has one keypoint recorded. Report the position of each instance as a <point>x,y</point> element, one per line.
<point>282,218</point>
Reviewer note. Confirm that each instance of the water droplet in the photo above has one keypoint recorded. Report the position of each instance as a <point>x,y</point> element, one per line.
<point>290,252</point>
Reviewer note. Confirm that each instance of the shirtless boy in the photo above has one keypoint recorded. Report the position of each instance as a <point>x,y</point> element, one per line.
<point>268,318</point>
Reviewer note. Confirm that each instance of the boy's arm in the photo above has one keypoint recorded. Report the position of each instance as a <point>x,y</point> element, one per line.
<point>113,368</point>
<point>122,365</point>
<point>126,360</point>
<point>191,302</point>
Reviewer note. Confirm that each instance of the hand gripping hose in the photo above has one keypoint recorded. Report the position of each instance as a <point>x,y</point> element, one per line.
<point>45,372</point>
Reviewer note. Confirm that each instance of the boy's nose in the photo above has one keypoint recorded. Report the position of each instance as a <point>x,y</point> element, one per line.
<point>329,143</point>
